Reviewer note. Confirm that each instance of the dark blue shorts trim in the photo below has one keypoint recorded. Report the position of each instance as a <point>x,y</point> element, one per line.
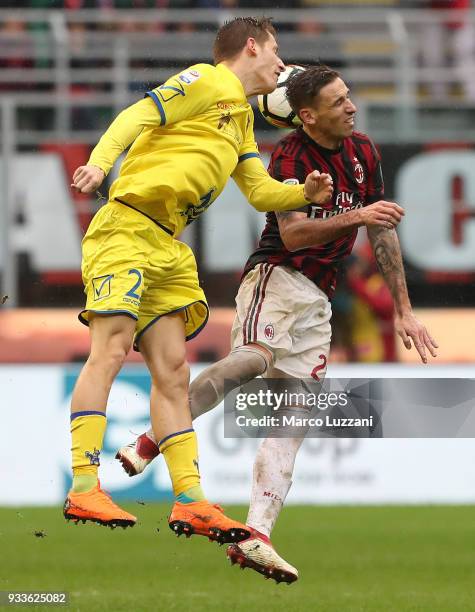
<point>104,312</point>
<point>75,415</point>
<point>193,335</point>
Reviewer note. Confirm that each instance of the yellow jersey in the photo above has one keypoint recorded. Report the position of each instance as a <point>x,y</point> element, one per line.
<point>189,136</point>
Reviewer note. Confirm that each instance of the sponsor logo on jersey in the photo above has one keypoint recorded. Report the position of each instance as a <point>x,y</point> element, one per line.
<point>224,120</point>
<point>345,198</point>
<point>189,76</point>
<point>269,331</point>
<point>344,205</point>
<point>230,127</point>
<point>193,211</point>
<point>225,105</point>
<point>101,285</point>
<point>291,181</point>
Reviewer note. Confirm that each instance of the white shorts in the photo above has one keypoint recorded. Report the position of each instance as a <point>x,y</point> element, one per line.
<point>284,311</point>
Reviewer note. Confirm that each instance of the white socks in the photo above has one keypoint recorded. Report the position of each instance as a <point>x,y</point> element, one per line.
<point>272,478</point>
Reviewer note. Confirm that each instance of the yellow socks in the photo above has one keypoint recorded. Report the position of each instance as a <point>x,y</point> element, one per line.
<point>87,432</point>
<point>180,451</point>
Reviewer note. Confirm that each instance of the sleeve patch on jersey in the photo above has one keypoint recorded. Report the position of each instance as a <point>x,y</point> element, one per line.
<point>163,117</point>
<point>291,181</point>
<point>247,156</point>
<point>189,76</point>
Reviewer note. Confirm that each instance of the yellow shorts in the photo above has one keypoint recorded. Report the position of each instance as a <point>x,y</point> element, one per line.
<point>131,266</point>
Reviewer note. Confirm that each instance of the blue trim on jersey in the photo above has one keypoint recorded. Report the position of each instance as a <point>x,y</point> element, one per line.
<point>163,117</point>
<point>177,433</point>
<point>75,415</point>
<point>247,156</point>
<point>192,335</point>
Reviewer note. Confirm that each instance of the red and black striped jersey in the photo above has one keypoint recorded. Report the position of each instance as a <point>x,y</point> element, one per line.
<point>357,181</point>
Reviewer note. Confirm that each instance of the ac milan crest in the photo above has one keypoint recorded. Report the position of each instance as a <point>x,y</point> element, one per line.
<point>359,172</point>
<point>269,331</point>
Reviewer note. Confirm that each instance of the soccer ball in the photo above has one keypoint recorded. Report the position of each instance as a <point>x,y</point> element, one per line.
<point>274,106</point>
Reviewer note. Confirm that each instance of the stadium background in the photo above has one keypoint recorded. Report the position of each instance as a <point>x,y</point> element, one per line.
<point>65,69</point>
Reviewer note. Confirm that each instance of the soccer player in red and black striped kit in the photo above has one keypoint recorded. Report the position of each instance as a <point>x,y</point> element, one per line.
<point>282,325</point>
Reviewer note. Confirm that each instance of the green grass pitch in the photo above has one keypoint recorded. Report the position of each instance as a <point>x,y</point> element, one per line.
<point>353,559</point>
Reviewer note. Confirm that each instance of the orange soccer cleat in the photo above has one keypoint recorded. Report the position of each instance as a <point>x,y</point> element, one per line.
<point>98,507</point>
<point>203,518</point>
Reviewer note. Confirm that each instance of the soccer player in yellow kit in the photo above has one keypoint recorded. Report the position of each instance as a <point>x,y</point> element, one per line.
<point>187,138</point>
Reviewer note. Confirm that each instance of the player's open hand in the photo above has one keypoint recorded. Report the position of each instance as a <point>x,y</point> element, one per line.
<point>318,187</point>
<point>86,179</point>
<point>382,214</point>
<point>407,326</point>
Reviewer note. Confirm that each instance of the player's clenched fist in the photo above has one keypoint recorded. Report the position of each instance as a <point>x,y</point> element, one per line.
<point>318,187</point>
<point>86,179</point>
<point>382,214</point>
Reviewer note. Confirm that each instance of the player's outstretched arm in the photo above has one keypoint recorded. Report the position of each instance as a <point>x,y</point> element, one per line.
<point>121,133</point>
<point>387,251</point>
<point>299,232</point>
<point>266,194</point>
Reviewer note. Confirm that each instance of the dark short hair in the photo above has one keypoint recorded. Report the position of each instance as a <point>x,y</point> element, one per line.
<point>232,36</point>
<point>303,88</point>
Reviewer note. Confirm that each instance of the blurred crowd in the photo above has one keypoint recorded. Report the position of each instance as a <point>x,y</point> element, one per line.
<point>26,43</point>
<point>226,4</point>
<point>144,4</point>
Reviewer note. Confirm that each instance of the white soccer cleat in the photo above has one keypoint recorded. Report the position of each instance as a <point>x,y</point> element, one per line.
<point>258,553</point>
<point>136,456</point>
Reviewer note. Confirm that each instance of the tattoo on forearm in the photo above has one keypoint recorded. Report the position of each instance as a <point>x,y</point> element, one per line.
<point>388,257</point>
<point>385,263</point>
